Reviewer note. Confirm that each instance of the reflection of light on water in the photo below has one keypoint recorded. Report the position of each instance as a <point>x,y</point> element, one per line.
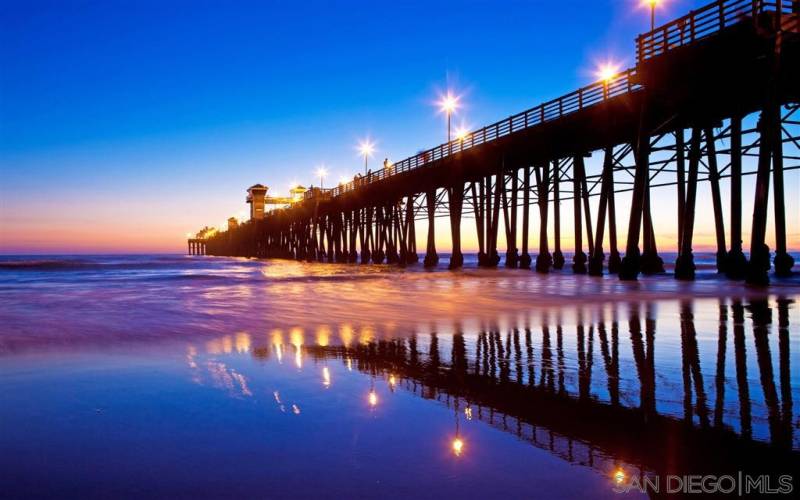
<point>372,399</point>
<point>277,396</point>
<point>458,446</point>
<point>298,357</point>
<point>223,345</point>
<point>468,412</point>
<point>242,382</point>
<point>392,381</point>
<point>326,377</point>
<point>346,334</point>
<point>296,338</point>
<point>242,343</point>
<point>227,378</point>
<point>191,352</point>
<point>367,335</point>
<point>277,342</point>
<point>323,336</point>
<point>296,409</point>
<point>349,364</point>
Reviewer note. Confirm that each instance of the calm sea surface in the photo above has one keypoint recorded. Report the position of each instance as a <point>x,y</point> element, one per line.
<point>201,377</point>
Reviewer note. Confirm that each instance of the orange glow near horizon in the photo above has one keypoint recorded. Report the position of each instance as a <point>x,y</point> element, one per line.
<point>104,226</point>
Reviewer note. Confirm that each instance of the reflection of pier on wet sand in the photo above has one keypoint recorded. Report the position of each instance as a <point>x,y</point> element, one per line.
<point>519,381</point>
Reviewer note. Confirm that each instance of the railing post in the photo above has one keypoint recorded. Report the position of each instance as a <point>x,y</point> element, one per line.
<point>640,48</point>
<point>722,14</point>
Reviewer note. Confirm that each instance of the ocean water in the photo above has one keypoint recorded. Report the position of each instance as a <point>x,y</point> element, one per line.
<point>169,376</point>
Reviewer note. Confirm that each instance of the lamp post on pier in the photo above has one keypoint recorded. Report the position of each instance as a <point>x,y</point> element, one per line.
<point>653,4</point>
<point>322,172</point>
<point>448,104</point>
<point>366,148</point>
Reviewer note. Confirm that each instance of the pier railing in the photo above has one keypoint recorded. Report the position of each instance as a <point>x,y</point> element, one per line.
<point>696,25</point>
<point>704,22</point>
<point>619,84</point>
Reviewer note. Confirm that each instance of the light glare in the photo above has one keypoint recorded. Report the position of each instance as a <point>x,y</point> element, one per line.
<point>373,399</point>
<point>366,148</point>
<point>458,446</point>
<point>607,71</point>
<point>448,103</point>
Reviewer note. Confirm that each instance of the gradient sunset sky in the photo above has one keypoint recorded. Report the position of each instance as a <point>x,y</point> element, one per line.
<point>124,125</point>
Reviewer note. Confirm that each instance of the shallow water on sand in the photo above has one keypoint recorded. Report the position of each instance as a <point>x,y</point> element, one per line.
<point>172,376</point>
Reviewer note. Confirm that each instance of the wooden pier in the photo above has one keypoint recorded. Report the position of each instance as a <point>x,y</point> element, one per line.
<point>677,119</point>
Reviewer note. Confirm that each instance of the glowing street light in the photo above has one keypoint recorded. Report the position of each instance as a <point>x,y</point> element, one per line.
<point>653,4</point>
<point>458,446</point>
<point>607,72</point>
<point>448,103</point>
<point>366,148</point>
<point>322,172</point>
<point>462,133</point>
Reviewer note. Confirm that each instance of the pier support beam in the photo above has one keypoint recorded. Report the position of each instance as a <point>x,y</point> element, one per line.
<point>390,224</point>
<point>783,261</point>
<point>737,263</point>
<point>543,260</point>
<point>477,196</point>
<point>363,235</point>
<point>525,258</point>
<point>684,265</point>
<point>579,259</point>
<point>353,233</point>
<point>456,202</point>
<point>680,178</point>
<point>413,258</point>
<point>630,266</point>
<point>493,208</point>
<point>558,257</point>
<point>431,257</point>
<point>758,269</point>
<point>650,263</point>
<point>719,220</point>
<point>510,219</point>
<point>606,190</point>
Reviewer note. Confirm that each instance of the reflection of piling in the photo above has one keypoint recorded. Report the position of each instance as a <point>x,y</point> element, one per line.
<point>489,378</point>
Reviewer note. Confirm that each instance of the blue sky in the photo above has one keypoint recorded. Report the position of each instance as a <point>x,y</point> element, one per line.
<point>121,118</point>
